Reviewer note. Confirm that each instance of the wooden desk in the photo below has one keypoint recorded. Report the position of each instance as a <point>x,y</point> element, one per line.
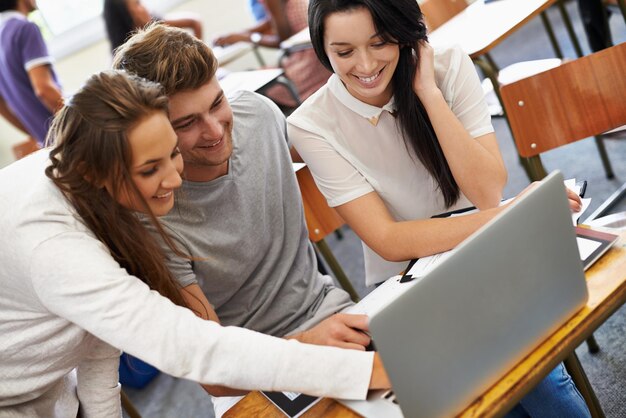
<point>606,281</point>
<point>253,80</point>
<point>258,81</point>
<point>228,54</point>
<point>496,21</point>
<point>300,40</point>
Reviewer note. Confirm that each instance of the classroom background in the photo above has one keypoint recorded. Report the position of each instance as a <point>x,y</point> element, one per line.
<point>166,396</point>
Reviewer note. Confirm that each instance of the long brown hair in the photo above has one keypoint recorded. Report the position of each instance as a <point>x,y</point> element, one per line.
<point>90,149</point>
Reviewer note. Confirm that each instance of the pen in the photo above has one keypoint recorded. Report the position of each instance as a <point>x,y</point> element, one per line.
<point>583,187</point>
<point>406,277</point>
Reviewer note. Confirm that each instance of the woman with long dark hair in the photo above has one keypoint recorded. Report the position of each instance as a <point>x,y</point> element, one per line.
<point>82,278</point>
<point>401,133</point>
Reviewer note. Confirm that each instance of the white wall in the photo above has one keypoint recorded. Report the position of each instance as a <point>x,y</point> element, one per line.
<point>218,17</point>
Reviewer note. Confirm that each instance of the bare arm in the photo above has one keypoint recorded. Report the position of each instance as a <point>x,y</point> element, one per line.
<point>275,28</point>
<point>476,164</point>
<point>186,22</point>
<point>138,12</point>
<point>276,10</point>
<point>45,87</point>
<point>8,115</point>
<point>400,241</point>
<point>269,39</point>
<point>340,330</point>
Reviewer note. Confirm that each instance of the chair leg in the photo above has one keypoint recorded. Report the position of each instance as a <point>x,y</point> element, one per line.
<point>128,406</point>
<point>622,7</point>
<point>548,26</point>
<point>592,345</point>
<point>605,157</point>
<point>258,56</point>
<point>337,270</point>
<point>575,369</point>
<point>291,87</point>
<point>570,28</point>
<point>535,168</point>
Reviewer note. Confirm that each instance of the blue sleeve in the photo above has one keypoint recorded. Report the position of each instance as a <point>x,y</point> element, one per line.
<point>34,49</point>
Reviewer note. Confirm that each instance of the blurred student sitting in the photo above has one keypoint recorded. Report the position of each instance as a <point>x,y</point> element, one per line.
<point>123,17</point>
<point>29,90</point>
<point>284,18</point>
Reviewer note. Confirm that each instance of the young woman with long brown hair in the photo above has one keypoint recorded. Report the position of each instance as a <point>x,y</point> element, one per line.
<point>81,279</point>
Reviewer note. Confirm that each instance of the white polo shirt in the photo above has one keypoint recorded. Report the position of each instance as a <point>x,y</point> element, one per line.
<point>353,148</point>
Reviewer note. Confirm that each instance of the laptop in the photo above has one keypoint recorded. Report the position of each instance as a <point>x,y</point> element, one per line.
<point>446,337</point>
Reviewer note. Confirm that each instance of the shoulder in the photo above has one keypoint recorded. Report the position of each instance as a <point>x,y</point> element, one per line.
<point>25,28</point>
<point>254,106</point>
<point>450,59</point>
<point>316,111</point>
<point>454,70</point>
<point>256,119</point>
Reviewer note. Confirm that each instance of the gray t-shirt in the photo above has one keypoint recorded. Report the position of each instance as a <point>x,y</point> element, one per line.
<point>247,235</point>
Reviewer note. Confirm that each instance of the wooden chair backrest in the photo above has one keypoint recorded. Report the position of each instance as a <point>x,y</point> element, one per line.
<point>321,219</point>
<point>438,12</point>
<point>576,100</point>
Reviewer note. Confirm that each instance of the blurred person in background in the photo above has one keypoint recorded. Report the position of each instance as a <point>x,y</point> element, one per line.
<point>30,92</point>
<point>284,18</point>
<point>122,17</point>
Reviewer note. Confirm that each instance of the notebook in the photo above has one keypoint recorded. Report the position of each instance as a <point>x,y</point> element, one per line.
<point>592,244</point>
<point>446,337</point>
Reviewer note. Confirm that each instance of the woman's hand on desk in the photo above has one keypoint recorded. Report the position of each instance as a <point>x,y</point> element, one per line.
<point>379,379</point>
<point>339,330</point>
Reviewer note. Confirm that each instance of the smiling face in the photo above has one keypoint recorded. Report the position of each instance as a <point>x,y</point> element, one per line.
<point>362,59</point>
<point>155,167</point>
<point>203,121</point>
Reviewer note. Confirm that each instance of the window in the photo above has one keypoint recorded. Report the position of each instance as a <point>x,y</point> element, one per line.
<point>69,25</point>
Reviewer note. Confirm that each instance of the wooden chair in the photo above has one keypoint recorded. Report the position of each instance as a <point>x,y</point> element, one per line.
<point>576,100</point>
<point>322,220</point>
<point>438,12</point>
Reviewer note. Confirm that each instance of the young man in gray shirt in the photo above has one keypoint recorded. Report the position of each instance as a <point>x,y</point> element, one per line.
<point>239,214</point>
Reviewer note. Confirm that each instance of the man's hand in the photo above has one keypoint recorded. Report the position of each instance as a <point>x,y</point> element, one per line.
<point>339,330</point>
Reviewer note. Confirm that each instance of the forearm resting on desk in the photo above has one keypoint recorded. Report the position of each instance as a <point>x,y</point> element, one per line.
<point>404,240</point>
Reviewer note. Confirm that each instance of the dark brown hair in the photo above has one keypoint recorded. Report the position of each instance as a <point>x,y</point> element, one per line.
<point>169,56</point>
<point>90,149</point>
